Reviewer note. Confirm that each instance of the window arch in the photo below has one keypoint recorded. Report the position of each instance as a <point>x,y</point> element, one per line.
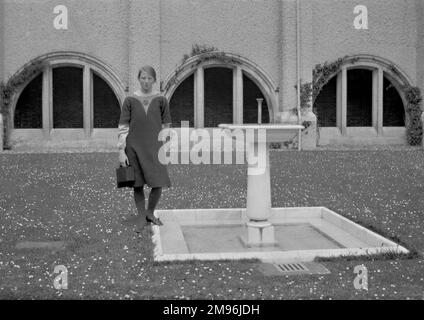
<point>365,93</point>
<point>239,71</point>
<point>74,91</point>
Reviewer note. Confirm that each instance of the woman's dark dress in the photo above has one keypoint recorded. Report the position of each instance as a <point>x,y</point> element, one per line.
<point>142,144</point>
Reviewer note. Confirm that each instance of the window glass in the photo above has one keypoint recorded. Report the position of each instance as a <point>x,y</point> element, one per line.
<point>28,111</point>
<point>359,98</point>
<point>106,111</point>
<point>67,97</point>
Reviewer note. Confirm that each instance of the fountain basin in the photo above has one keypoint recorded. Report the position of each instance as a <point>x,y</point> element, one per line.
<point>274,132</point>
<point>301,234</point>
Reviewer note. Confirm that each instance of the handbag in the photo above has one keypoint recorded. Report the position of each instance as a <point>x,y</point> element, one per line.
<point>125,177</point>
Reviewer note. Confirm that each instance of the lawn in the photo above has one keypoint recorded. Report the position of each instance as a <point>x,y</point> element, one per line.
<point>72,197</point>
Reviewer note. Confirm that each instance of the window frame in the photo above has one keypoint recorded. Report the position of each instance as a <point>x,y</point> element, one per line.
<point>89,66</point>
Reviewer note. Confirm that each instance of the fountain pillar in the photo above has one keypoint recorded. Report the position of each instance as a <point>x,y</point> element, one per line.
<point>258,209</point>
<point>260,231</point>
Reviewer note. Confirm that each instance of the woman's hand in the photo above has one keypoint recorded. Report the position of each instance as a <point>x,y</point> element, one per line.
<point>123,159</point>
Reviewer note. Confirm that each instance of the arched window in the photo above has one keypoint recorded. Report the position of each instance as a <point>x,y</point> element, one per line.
<point>209,92</point>
<point>74,92</point>
<point>362,100</point>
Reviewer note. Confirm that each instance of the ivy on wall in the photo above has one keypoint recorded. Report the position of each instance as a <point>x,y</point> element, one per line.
<point>414,126</point>
<point>203,53</point>
<point>8,90</point>
<point>197,49</point>
<point>321,75</point>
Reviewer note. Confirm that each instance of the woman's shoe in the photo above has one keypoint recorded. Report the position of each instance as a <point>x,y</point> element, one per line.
<point>151,218</point>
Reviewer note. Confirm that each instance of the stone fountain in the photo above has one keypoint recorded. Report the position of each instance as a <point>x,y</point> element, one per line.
<point>260,230</point>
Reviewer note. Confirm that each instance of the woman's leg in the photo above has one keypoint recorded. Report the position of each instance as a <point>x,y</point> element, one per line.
<point>141,208</point>
<point>154,197</point>
<point>140,201</point>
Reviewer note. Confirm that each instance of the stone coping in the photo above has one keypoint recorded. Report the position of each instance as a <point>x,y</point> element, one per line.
<point>356,240</point>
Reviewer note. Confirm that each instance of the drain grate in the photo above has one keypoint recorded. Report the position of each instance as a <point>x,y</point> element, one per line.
<point>274,268</point>
<point>292,267</point>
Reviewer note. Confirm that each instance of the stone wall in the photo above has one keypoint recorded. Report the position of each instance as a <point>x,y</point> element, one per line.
<point>126,34</point>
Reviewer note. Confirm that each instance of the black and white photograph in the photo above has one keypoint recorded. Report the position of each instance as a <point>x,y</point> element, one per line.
<point>228,152</point>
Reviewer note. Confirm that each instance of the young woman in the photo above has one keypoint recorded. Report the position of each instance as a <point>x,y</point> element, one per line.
<point>143,115</point>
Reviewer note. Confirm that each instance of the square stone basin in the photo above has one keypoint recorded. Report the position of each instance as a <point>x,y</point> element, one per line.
<point>301,233</point>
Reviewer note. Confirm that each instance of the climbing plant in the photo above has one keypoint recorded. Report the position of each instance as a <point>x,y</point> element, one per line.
<point>414,125</point>
<point>203,53</point>
<point>197,49</point>
<point>7,91</point>
<point>321,75</point>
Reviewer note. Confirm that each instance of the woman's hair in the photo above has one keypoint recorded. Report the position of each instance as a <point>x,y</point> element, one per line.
<point>150,70</point>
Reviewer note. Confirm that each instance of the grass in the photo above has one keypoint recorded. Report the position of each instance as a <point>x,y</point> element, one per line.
<point>72,197</point>
<point>390,255</point>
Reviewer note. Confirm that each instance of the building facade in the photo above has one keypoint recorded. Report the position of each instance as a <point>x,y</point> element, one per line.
<point>92,51</point>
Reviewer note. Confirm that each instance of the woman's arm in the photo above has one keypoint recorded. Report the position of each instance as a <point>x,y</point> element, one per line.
<point>124,124</point>
<point>166,114</point>
<point>166,117</point>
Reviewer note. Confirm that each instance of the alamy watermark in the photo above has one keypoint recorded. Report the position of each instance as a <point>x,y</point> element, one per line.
<point>60,21</point>
<point>361,280</point>
<point>60,282</point>
<point>202,146</point>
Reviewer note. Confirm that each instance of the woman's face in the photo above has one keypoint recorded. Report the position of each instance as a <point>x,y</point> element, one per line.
<point>146,81</point>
